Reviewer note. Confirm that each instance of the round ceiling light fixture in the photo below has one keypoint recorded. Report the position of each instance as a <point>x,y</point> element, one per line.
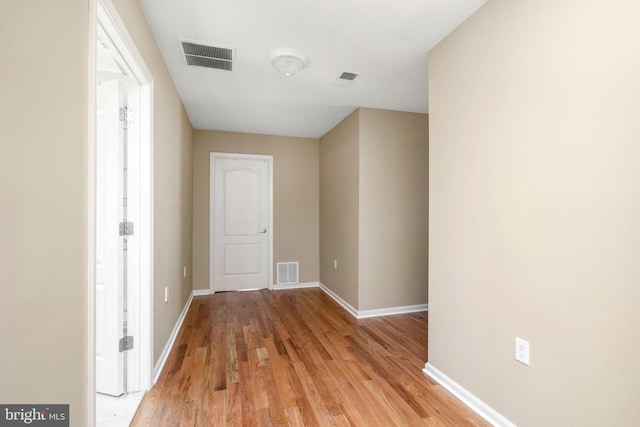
<point>287,61</point>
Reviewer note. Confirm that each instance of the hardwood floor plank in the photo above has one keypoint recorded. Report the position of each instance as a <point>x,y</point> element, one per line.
<point>197,381</point>
<point>307,413</point>
<point>296,358</point>
<point>218,413</point>
<point>276,404</point>
<point>190,415</point>
<point>397,413</point>
<point>286,392</point>
<point>233,405</point>
<point>232,356</point>
<point>254,398</point>
<point>293,417</point>
<point>312,395</point>
<point>219,355</point>
<point>354,404</point>
<point>254,383</point>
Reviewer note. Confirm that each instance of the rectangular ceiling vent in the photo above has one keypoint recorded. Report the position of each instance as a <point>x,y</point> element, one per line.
<point>346,78</point>
<point>201,55</point>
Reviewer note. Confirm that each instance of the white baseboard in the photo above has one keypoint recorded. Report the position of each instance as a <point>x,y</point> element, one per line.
<point>339,300</point>
<point>393,310</point>
<point>373,313</point>
<point>466,397</point>
<point>201,292</point>
<point>157,370</point>
<point>295,286</point>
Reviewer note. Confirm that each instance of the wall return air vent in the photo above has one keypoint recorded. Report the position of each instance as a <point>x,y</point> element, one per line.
<point>287,273</point>
<point>208,56</point>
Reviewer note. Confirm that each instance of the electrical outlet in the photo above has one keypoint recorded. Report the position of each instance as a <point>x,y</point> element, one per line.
<point>522,351</point>
<point>166,294</point>
<point>335,264</point>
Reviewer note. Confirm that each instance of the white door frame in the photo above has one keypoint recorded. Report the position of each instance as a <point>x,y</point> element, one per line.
<point>269,159</point>
<point>104,14</point>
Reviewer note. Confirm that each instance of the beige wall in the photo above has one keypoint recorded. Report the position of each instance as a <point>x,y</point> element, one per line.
<point>44,185</point>
<point>374,209</point>
<point>534,204</point>
<point>44,188</point>
<point>295,198</point>
<point>393,220</point>
<point>339,208</point>
<point>172,147</point>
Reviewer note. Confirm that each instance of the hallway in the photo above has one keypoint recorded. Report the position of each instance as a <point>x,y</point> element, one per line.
<point>297,358</point>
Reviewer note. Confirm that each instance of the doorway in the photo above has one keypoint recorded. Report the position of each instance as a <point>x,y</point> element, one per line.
<point>241,224</point>
<point>123,222</point>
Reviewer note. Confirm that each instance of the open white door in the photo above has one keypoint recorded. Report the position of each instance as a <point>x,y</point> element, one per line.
<point>121,301</point>
<point>240,222</point>
<point>109,272</point>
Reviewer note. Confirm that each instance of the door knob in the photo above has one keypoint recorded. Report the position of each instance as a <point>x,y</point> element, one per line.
<point>262,230</point>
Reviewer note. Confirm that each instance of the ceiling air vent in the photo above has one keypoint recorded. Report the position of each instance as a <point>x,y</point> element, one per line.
<point>200,55</point>
<point>346,78</point>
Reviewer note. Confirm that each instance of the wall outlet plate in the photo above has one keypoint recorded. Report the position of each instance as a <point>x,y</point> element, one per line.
<point>522,351</point>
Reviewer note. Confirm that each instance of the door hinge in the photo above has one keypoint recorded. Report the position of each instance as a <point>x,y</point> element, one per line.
<point>126,343</point>
<point>126,115</point>
<point>126,228</point>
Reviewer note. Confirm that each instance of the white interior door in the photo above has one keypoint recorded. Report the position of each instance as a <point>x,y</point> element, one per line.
<point>109,271</point>
<point>240,222</point>
<point>122,297</point>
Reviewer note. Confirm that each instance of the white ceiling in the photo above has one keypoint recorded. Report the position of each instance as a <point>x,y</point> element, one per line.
<point>385,41</point>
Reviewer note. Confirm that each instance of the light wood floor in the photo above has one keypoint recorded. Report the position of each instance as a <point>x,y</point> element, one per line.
<point>296,358</point>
